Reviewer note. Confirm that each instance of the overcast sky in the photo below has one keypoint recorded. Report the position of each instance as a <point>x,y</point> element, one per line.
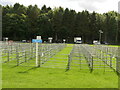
<point>99,6</point>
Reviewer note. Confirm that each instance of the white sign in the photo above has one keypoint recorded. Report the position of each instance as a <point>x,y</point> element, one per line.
<point>36,41</point>
<point>100,31</point>
<point>39,37</point>
<point>50,38</point>
<point>64,40</point>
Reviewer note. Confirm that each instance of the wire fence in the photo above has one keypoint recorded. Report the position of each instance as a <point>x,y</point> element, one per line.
<point>118,62</point>
<point>24,54</point>
<point>77,56</point>
<point>96,56</point>
<point>108,55</point>
<point>17,53</point>
<point>76,59</point>
<point>59,60</point>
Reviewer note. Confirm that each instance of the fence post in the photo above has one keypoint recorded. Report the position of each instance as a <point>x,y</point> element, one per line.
<point>111,60</point>
<point>80,58</point>
<point>17,56</point>
<point>11,48</point>
<point>25,56</point>
<point>91,64</point>
<point>101,57</point>
<point>104,63</point>
<point>69,60</point>
<point>8,54</point>
<point>31,50</point>
<point>80,62</point>
<point>118,65</point>
<point>49,51</point>
<point>37,56</point>
<point>107,58</point>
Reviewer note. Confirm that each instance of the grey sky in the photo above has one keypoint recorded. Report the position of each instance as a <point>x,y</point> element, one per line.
<point>119,7</point>
<point>100,6</point>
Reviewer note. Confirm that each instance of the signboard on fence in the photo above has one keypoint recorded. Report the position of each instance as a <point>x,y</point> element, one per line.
<point>36,41</point>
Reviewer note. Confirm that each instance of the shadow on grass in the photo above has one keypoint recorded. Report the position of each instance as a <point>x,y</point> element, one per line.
<point>26,71</point>
<point>14,66</point>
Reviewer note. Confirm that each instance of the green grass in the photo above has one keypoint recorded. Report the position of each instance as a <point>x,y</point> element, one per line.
<point>114,45</point>
<point>30,77</point>
<point>19,77</point>
<point>107,45</point>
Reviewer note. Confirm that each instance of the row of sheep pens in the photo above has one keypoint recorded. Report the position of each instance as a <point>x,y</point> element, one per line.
<point>94,56</point>
<point>25,53</point>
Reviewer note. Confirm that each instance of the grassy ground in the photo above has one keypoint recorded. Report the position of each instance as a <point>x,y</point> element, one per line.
<point>30,77</point>
<point>21,77</point>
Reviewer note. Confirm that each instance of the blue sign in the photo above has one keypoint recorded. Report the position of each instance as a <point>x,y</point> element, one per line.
<point>36,41</point>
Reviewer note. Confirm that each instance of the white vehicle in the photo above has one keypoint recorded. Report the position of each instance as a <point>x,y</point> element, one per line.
<point>96,42</point>
<point>78,40</point>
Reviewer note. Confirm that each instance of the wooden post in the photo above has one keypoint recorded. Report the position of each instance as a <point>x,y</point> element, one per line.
<point>8,55</point>
<point>101,58</point>
<point>31,50</point>
<point>92,64</point>
<point>104,63</point>
<point>69,61</point>
<point>25,56</point>
<point>37,59</point>
<point>17,56</point>
<point>11,48</point>
<point>111,60</point>
<point>80,58</point>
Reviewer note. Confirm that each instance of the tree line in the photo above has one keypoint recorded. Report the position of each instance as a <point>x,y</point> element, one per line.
<point>20,22</point>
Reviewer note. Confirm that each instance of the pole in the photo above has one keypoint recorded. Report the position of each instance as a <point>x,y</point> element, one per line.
<point>100,38</point>
<point>100,31</point>
<point>37,62</point>
<point>17,56</point>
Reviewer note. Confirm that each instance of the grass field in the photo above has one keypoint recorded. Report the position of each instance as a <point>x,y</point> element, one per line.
<point>30,77</point>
